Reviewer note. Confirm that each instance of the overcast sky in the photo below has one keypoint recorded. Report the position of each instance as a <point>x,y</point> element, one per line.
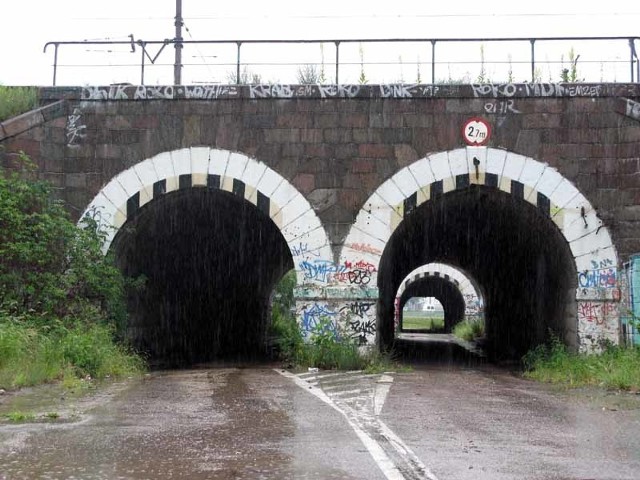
<point>29,24</point>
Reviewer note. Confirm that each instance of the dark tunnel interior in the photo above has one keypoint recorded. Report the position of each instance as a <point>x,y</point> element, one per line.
<point>211,261</point>
<point>446,292</point>
<point>516,253</point>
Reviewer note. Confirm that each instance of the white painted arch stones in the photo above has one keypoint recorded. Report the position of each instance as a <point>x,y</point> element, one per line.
<point>203,167</point>
<point>473,299</point>
<point>535,182</point>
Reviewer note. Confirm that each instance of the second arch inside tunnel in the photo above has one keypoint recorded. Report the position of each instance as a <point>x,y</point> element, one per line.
<point>443,293</point>
<point>210,261</point>
<point>514,251</point>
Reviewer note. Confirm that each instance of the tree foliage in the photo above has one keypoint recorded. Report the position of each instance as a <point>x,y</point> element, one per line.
<point>50,268</point>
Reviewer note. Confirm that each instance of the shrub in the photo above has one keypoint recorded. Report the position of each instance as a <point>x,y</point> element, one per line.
<point>61,299</point>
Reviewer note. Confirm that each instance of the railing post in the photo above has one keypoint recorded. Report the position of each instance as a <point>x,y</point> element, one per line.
<point>433,62</point>
<point>634,59</point>
<point>143,45</point>
<point>533,60</point>
<point>337,61</point>
<point>238,64</point>
<point>55,63</point>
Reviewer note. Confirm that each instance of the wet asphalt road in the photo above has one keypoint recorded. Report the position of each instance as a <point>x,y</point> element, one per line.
<point>444,421</point>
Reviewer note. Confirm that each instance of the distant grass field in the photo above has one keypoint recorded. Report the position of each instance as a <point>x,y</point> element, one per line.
<point>422,320</point>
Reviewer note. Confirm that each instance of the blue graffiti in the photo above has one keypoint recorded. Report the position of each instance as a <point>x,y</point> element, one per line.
<point>604,278</point>
<point>303,249</point>
<point>314,320</point>
<point>320,270</point>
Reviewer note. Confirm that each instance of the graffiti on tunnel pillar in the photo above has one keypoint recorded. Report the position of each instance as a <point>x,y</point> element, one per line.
<point>327,271</point>
<point>318,318</point>
<point>354,320</point>
<point>597,312</point>
<point>302,249</point>
<point>359,323</point>
<point>602,275</point>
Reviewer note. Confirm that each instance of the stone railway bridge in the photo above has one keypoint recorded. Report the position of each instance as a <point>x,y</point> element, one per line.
<point>214,192</point>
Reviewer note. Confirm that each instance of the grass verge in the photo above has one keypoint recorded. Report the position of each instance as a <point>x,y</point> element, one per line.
<point>31,355</point>
<point>421,321</point>
<point>615,368</point>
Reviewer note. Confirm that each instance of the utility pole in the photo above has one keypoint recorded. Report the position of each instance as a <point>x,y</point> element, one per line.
<point>177,66</point>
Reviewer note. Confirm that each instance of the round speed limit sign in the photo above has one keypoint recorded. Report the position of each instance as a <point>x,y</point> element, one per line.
<point>476,131</point>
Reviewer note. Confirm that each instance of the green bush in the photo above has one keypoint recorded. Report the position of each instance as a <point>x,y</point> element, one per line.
<point>61,299</point>
<point>17,100</point>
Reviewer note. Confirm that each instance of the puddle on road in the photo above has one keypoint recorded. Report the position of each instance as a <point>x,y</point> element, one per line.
<point>221,423</point>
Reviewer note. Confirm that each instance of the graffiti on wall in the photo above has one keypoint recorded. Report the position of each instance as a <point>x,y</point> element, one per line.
<point>318,318</point>
<point>169,92</point>
<point>632,109</point>
<point>472,305</point>
<point>603,274</point>
<point>597,312</point>
<point>75,130</point>
<point>302,249</point>
<point>364,248</point>
<point>354,320</point>
<point>327,271</point>
<point>395,90</point>
<point>360,325</point>
<point>501,107</point>
<point>535,90</point>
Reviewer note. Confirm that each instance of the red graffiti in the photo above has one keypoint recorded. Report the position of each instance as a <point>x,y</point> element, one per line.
<point>596,312</point>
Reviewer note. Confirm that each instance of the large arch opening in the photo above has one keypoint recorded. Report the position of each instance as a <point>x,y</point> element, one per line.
<point>510,247</point>
<point>211,261</point>
<point>213,230</point>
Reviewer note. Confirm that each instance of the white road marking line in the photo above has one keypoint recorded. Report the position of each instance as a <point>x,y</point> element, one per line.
<point>345,393</point>
<point>384,462</point>
<point>379,456</point>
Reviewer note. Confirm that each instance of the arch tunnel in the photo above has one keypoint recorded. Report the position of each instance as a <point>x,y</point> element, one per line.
<point>444,291</point>
<point>511,248</point>
<point>211,260</point>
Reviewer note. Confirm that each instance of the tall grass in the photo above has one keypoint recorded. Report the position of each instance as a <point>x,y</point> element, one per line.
<point>17,100</point>
<point>615,368</point>
<point>469,329</point>
<point>30,354</point>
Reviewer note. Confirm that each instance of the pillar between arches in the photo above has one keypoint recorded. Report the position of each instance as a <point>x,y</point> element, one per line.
<point>349,312</point>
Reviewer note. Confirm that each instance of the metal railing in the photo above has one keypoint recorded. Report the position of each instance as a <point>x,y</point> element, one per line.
<point>147,59</point>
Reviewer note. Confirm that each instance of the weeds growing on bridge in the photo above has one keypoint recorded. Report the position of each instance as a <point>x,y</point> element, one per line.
<point>617,367</point>
<point>61,299</point>
<point>16,100</point>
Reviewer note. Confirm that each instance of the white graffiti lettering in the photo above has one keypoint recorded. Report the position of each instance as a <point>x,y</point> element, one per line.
<point>154,93</point>
<point>535,90</point>
<point>501,107</point>
<point>633,109</point>
<point>74,129</point>
<point>396,91</point>
<point>209,92</point>
<point>115,92</point>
